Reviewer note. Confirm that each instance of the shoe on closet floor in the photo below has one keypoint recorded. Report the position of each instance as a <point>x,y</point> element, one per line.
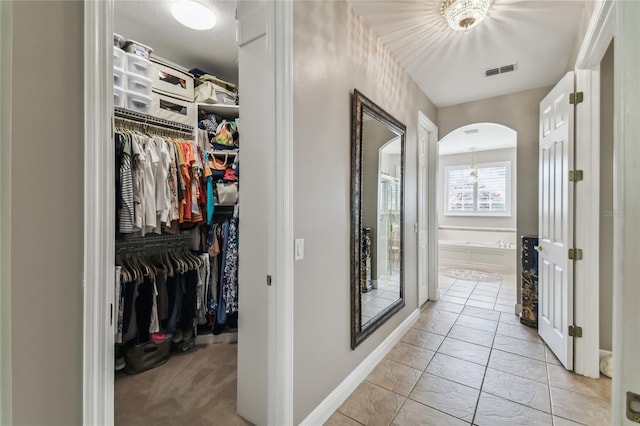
<point>120,363</point>
<point>158,338</point>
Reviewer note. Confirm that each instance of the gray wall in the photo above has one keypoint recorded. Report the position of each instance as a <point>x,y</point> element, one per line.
<point>606,199</point>
<point>508,154</point>
<point>519,111</point>
<point>335,52</point>
<point>47,213</point>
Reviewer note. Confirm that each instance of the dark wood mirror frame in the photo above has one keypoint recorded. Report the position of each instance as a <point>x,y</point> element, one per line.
<point>360,105</point>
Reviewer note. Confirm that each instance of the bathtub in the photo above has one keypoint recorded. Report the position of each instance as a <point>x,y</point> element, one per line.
<point>484,251</point>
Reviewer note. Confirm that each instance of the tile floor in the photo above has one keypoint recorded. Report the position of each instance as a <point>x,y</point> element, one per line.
<point>498,295</point>
<point>377,299</point>
<point>462,364</point>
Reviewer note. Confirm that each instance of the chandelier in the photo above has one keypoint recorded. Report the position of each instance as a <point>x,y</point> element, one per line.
<point>462,15</point>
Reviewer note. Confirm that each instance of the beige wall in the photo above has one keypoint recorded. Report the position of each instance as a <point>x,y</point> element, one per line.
<point>606,199</point>
<point>47,213</point>
<point>335,52</point>
<point>519,111</point>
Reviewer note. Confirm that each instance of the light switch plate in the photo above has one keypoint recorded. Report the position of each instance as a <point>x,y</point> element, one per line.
<point>299,249</point>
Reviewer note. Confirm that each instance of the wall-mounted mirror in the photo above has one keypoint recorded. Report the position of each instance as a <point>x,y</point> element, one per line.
<point>377,210</point>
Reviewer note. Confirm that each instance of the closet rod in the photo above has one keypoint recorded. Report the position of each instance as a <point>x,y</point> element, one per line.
<point>148,119</point>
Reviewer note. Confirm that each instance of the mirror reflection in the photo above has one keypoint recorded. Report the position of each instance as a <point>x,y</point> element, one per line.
<point>377,217</point>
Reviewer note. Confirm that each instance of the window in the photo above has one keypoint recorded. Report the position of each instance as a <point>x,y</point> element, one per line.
<point>489,196</point>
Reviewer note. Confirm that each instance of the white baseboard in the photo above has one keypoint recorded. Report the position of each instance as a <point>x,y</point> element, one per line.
<point>331,403</point>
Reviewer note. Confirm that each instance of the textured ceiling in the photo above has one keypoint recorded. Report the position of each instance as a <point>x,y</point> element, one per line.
<point>538,35</point>
<point>150,22</point>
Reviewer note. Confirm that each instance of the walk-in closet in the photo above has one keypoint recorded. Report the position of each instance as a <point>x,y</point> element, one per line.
<point>177,139</point>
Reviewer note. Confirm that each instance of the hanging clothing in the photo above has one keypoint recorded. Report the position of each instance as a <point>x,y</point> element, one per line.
<point>230,277</point>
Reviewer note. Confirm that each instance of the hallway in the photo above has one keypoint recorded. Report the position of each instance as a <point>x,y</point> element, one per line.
<point>462,365</point>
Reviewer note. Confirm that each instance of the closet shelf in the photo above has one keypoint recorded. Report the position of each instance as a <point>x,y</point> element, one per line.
<point>225,111</point>
<point>146,243</point>
<point>149,119</point>
<point>224,152</point>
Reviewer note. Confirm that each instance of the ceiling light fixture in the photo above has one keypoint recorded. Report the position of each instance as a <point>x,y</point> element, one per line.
<point>193,14</point>
<point>462,15</point>
<point>473,172</point>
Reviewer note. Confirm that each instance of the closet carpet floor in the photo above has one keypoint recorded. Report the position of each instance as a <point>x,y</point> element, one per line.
<point>194,388</point>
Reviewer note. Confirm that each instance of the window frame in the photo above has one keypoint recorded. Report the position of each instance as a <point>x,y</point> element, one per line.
<point>475,212</point>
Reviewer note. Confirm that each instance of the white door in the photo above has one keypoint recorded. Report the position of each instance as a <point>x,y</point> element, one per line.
<point>555,270</point>
<point>423,259</point>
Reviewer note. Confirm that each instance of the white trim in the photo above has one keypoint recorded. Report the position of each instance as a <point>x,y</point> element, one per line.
<point>99,190</point>
<point>431,204</point>
<point>280,51</point>
<point>598,35</point>
<point>626,205</point>
<point>331,403</point>
<point>587,222</point>
<point>476,228</point>
<point>6,41</point>
<point>518,309</point>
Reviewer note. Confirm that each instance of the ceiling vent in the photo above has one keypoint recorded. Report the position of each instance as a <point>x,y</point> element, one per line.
<point>471,131</point>
<point>499,70</point>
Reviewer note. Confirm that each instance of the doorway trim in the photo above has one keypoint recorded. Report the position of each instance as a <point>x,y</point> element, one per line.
<point>99,224</point>
<point>6,41</point>
<point>427,207</point>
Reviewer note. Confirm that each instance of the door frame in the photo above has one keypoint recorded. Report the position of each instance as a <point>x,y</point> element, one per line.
<point>6,40</point>
<point>428,205</point>
<point>99,224</point>
<point>599,34</point>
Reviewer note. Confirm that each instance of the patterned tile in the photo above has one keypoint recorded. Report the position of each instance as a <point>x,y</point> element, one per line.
<point>519,332</point>
<point>423,339</point>
<point>370,404</point>
<point>457,370</point>
<point>394,376</point>
<point>410,355</point>
<point>519,347</point>
<point>519,365</point>
<point>415,414</point>
<point>477,323</point>
<point>441,305</point>
<point>453,299</point>
<point>561,378</point>
<point>339,419</point>
<point>478,304</point>
<point>471,335</point>
<point>495,411</point>
<point>466,351</point>
<point>481,313</point>
<point>447,396</point>
<point>580,408</point>
<point>517,389</point>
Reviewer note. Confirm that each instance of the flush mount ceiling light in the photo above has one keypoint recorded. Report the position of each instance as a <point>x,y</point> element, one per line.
<point>194,15</point>
<point>462,15</point>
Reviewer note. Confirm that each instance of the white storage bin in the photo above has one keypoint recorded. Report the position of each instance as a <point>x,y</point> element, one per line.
<point>118,97</point>
<point>173,109</point>
<point>118,58</point>
<point>211,93</point>
<point>138,83</point>
<point>119,77</point>
<point>172,81</point>
<point>138,65</point>
<point>118,40</point>
<point>136,48</point>
<point>138,102</point>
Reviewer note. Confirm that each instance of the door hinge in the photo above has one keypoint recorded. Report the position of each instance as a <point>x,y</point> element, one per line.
<point>576,175</point>
<point>268,279</point>
<point>575,254</point>
<point>575,331</point>
<point>576,98</point>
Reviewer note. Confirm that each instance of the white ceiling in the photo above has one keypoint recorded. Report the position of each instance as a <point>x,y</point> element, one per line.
<point>538,35</point>
<point>150,22</point>
<point>487,137</point>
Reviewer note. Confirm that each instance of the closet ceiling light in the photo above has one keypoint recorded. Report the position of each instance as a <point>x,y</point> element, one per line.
<point>462,15</point>
<point>193,15</point>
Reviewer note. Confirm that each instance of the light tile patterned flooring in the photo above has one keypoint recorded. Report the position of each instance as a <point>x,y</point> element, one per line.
<point>463,364</point>
<point>499,295</point>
